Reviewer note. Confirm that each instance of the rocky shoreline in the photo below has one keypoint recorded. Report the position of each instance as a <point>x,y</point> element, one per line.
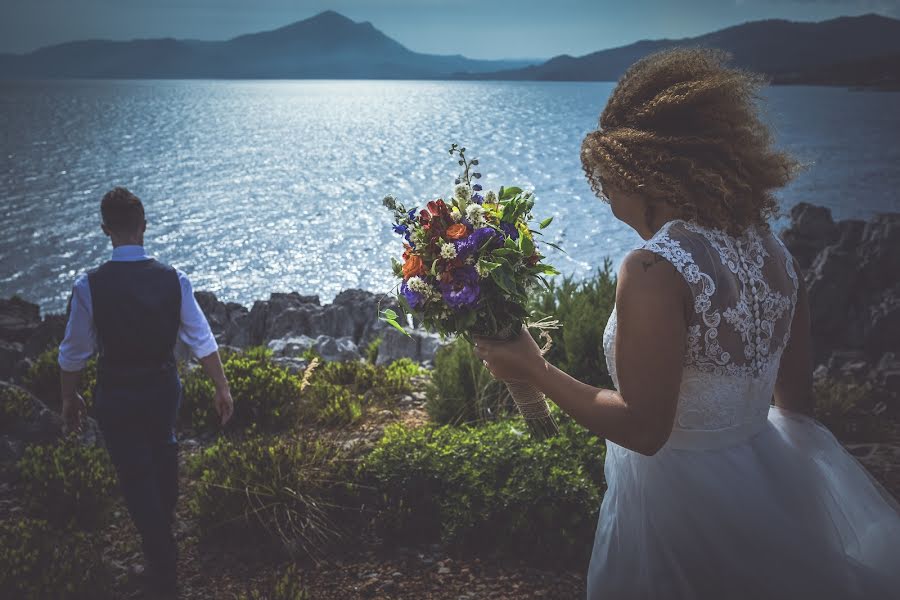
<point>851,268</point>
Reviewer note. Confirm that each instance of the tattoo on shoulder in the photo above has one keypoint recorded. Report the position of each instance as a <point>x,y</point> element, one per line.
<point>649,263</point>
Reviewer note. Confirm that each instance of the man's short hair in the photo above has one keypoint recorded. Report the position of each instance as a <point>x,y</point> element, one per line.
<point>122,211</point>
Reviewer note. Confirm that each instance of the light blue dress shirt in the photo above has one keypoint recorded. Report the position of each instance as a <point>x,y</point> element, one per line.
<point>80,342</point>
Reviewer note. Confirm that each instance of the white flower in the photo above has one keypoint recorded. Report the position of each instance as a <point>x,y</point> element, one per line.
<point>417,284</point>
<point>463,193</point>
<point>475,213</point>
<point>448,251</point>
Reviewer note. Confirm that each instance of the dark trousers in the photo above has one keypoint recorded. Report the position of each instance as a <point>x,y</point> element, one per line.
<point>137,417</point>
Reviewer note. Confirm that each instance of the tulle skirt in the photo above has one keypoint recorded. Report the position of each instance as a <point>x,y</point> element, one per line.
<point>787,513</point>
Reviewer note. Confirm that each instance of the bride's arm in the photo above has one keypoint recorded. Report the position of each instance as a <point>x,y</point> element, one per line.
<point>793,388</point>
<point>650,342</point>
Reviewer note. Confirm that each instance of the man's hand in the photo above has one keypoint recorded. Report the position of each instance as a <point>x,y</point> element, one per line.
<point>73,411</point>
<point>224,404</point>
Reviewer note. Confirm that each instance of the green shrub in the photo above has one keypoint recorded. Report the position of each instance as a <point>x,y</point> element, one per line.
<point>488,488</point>
<point>283,585</point>
<point>371,352</point>
<point>42,379</point>
<point>462,390</point>
<point>14,405</point>
<point>399,375</point>
<point>269,489</point>
<point>264,393</point>
<point>39,561</point>
<point>68,483</point>
<point>330,404</point>
<point>338,392</point>
<point>583,308</point>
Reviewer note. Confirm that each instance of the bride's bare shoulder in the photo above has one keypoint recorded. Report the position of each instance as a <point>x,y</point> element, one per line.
<point>646,275</point>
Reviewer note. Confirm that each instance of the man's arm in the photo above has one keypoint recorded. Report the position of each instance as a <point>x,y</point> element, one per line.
<point>195,333</point>
<point>78,345</point>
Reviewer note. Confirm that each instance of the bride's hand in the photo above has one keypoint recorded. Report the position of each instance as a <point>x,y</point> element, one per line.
<point>519,359</point>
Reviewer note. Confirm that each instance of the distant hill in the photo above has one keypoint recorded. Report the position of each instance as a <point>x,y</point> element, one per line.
<point>328,45</point>
<point>788,51</point>
<point>848,51</point>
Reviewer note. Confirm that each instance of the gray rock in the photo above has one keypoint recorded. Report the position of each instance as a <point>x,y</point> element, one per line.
<point>419,346</point>
<point>39,425</point>
<point>337,349</point>
<point>294,366</point>
<point>18,319</point>
<point>11,354</point>
<point>226,320</point>
<point>291,347</point>
<point>811,229</point>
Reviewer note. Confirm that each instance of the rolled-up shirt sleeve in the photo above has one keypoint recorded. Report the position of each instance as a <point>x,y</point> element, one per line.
<point>80,341</point>
<point>194,332</point>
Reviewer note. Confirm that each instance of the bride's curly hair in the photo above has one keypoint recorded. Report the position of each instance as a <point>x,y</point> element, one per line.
<point>682,128</point>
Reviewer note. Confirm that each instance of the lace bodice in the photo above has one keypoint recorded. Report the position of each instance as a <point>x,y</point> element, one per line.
<point>745,292</point>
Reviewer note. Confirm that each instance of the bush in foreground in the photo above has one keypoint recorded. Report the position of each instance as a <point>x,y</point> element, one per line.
<point>42,379</point>
<point>264,393</point>
<point>491,488</point>
<point>68,483</point>
<point>263,489</point>
<point>39,561</point>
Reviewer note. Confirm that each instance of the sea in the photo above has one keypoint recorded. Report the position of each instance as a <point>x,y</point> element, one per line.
<point>254,187</point>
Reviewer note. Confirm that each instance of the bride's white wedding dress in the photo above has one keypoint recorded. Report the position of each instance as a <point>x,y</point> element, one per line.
<point>745,500</point>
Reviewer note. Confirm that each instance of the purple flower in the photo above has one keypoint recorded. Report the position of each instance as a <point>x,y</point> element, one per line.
<point>414,299</point>
<point>477,198</point>
<point>401,229</point>
<point>510,230</point>
<point>464,290</point>
<point>477,187</point>
<point>412,214</point>
<point>472,242</point>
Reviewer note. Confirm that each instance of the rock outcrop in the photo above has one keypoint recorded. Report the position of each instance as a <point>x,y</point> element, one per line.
<point>852,273</point>
<point>24,335</point>
<point>291,323</point>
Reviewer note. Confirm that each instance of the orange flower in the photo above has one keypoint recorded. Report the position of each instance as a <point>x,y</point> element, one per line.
<point>413,266</point>
<point>457,231</point>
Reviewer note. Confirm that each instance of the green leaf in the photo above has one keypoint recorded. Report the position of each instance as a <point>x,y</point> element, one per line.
<point>397,326</point>
<point>545,222</point>
<point>389,314</point>
<point>486,266</point>
<point>526,244</point>
<point>510,192</point>
<point>503,279</point>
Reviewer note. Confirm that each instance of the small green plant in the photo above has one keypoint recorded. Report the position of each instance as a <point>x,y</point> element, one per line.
<point>269,489</point>
<point>42,379</point>
<point>39,560</point>
<point>14,405</point>
<point>490,488</point>
<point>68,483</point>
<point>264,393</point>
<point>284,585</point>
<point>462,390</point>
<point>371,352</point>
<point>330,404</point>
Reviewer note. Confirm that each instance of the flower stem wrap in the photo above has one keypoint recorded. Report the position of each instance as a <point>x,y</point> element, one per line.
<point>530,401</point>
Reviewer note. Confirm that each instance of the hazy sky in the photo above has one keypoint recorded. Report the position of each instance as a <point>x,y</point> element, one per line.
<point>475,28</point>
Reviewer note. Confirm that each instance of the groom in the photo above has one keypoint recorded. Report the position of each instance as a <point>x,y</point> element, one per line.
<point>132,310</point>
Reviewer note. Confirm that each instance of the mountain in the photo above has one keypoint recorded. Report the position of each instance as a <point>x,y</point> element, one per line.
<point>786,50</point>
<point>328,45</point>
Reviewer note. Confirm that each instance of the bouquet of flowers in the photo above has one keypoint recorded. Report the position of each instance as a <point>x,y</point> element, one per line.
<point>468,267</point>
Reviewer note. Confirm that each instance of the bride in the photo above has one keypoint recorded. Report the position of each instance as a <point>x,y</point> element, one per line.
<point>713,492</point>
